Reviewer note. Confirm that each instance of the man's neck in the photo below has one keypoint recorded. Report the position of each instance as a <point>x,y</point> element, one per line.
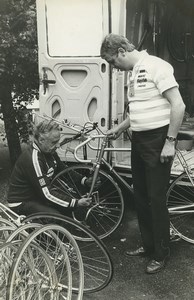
<point>136,56</point>
<point>133,58</point>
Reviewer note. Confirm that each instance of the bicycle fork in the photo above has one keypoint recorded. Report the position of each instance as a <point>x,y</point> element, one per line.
<point>95,175</point>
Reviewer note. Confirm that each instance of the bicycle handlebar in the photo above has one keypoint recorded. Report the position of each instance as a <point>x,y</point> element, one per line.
<point>82,132</point>
<point>90,138</point>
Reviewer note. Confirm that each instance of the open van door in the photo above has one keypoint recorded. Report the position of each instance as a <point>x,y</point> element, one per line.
<point>74,80</point>
<point>76,85</point>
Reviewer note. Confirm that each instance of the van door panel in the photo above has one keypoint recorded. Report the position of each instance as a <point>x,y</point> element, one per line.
<point>74,79</point>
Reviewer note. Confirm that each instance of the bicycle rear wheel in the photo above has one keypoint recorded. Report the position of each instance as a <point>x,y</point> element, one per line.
<point>7,254</point>
<point>97,263</point>
<point>180,203</point>
<point>59,249</point>
<point>106,212</point>
<point>32,275</point>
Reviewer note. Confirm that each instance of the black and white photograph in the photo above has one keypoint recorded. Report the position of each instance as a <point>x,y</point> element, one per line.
<point>96,149</point>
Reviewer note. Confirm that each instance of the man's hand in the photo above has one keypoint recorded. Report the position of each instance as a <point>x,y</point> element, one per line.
<point>88,182</point>
<point>84,201</point>
<point>114,133</point>
<point>168,152</point>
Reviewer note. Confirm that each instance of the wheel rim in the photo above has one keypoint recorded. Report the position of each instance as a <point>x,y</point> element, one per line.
<point>108,204</point>
<point>51,241</point>
<point>97,263</point>
<point>180,203</point>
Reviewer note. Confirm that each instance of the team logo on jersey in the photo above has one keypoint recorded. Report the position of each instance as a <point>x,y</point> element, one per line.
<point>50,172</point>
<point>42,182</point>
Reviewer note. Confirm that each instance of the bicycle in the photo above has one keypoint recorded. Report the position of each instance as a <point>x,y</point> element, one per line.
<point>103,217</point>
<point>97,264</point>
<point>33,275</point>
<point>41,259</point>
<point>180,200</point>
<point>51,242</point>
<point>99,217</point>
<point>106,211</point>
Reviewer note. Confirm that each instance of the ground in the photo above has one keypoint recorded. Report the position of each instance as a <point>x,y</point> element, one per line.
<point>130,282</point>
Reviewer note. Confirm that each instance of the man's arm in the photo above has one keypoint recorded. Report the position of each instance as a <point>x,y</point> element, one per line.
<point>176,117</point>
<point>42,183</point>
<point>116,132</point>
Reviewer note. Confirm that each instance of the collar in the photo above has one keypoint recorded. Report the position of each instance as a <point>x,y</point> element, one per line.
<point>143,55</point>
<point>36,147</point>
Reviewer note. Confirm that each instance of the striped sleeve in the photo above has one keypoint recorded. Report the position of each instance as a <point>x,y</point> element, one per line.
<point>44,184</point>
<point>164,77</point>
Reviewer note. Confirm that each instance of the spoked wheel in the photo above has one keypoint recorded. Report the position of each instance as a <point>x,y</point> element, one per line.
<point>96,260</point>
<point>31,276</point>
<point>180,203</point>
<point>6,228</point>
<point>53,246</point>
<point>7,254</point>
<point>106,211</point>
<point>22,232</point>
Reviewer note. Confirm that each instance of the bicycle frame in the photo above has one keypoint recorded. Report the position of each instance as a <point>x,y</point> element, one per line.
<point>11,215</point>
<point>101,160</point>
<point>185,166</point>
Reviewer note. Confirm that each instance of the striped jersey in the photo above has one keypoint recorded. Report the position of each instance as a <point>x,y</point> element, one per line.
<point>150,77</point>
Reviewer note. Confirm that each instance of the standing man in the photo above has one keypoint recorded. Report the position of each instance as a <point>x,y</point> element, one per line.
<point>156,113</point>
<point>30,189</point>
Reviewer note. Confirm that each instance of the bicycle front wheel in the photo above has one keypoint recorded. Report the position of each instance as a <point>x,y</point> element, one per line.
<point>98,269</point>
<point>7,254</point>
<point>106,212</point>
<point>180,203</point>
<point>31,276</point>
<point>58,249</point>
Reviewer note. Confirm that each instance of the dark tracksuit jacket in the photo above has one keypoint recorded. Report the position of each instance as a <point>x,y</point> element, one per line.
<point>32,176</point>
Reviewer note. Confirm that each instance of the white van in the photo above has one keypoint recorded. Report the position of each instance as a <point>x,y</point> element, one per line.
<point>76,85</point>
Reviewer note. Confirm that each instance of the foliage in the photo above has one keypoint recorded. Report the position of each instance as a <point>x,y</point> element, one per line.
<point>19,49</point>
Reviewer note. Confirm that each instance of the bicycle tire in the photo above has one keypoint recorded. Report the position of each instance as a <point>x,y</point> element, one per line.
<point>20,234</point>
<point>6,228</point>
<point>64,240</point>
<point>104,217</point>
<point>28,284</point>
<point>180,203</point>
<point>52,238</point>
<point>98,267</point>
<point>7,253</point>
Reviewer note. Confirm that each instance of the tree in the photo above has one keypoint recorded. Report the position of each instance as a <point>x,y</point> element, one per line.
<point>18,67</point>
